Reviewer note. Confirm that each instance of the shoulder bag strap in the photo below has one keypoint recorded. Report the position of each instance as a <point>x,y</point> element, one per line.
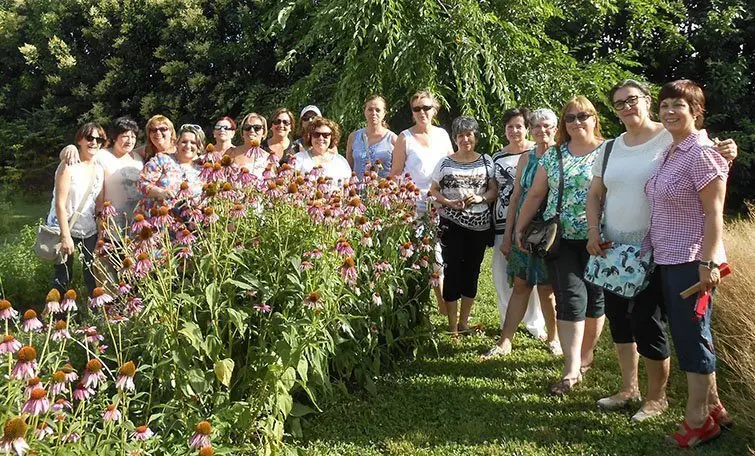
<point>75,216</point>
<point>606,154</point>
<point>560,180</point>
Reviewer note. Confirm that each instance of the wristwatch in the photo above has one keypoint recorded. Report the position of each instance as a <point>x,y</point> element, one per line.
<point>710,264</point>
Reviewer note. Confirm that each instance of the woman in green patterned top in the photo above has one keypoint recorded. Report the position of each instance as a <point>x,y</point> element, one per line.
<point>579,305</point>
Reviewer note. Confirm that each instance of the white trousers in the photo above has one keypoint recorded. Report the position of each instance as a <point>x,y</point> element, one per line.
<point>533,318</point>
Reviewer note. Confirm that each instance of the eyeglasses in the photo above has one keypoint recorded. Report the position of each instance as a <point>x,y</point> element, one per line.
<point>223,127</point>
<point>99,139</point>
<point>256,127</point>
<point>308,118</point>
<point>162,130</point>
<point>284,122</point>
<point>581,116</point>
<point>321,134</point>
<point>422,108</point>
<point>194,127</point>
<point>630,102</point>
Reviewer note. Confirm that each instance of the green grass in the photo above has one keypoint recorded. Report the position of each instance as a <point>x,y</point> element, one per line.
<point>19,211</point>
<point>451,403</point>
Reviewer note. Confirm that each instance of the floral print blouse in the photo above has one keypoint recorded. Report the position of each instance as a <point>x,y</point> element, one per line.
<point>164,171</point>
<point>577,178</point>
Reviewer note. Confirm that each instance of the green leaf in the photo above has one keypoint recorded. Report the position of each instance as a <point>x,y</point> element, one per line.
<point>224,371</point>
<point>301,410</point>
<point>197,381</point>
<point>193,334</point>
<point>238,318</point>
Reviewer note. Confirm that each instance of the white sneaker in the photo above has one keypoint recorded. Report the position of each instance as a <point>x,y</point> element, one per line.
<point>650,409</point>
<point>617,401</point>
<point>554,348</point>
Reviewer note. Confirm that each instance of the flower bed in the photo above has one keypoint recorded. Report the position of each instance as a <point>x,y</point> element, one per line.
<point>231,318</point>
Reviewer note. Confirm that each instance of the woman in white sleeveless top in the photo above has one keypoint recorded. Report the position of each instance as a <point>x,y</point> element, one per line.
<point>417,152</point>
<point>73,184</point>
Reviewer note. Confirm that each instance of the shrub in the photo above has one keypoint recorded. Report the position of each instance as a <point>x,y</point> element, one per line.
<point>25,279</point>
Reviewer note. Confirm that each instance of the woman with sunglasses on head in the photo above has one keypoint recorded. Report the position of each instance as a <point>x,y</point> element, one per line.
<point>618,199</point>
<point>162,176</point>
<point>417,152</point>
<point>279,142</point>
<point>372,146</point>
<point>223,132</point>
<point>77,189</point>
<point>579,304</point>
<point>321,140</point>
<point>250,155</point>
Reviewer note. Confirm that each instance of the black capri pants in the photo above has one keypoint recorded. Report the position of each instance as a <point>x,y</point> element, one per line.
<point>641,319</point>
<point>463,250</point>
<point>576,299</point>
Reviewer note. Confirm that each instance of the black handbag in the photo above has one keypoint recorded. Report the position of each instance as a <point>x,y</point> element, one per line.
<point>491,207</point>
<point>542,237</point>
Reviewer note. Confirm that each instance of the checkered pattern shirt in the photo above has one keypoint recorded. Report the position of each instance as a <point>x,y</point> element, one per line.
<point>676,212</point>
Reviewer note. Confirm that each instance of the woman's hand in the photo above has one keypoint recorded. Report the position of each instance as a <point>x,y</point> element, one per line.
<point>70,155</point>
<point>474,199</point>
<point>520,242</point>
<point>593,243</point>
<point>506,247</point>
<point>709,278</point>
<point>457,204</point>
<point>165,193</point>
<point>727,148</point>
<point>66,245</point>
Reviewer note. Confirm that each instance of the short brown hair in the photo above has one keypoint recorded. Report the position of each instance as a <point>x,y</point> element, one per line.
<point>149,149</point>
<point>87,129</point>
<point>689,91</point>
<point>320,122</point>
<point>287,112</point>
<point>581,102</point>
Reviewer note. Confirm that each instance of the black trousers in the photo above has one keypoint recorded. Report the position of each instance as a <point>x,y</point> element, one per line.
<point>63,272</point>
<point>576,299</point>
<point>463,250</point>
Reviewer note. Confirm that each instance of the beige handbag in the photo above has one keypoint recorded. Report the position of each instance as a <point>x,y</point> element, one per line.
<point>47,245</point>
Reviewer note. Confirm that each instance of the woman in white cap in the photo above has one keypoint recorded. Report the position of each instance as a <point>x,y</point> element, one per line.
<point>308,113</point>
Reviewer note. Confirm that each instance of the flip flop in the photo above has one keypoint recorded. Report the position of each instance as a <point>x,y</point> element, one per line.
<point>565,385</point>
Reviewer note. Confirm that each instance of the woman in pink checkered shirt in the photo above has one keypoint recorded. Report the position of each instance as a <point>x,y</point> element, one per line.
<point>686,195</point>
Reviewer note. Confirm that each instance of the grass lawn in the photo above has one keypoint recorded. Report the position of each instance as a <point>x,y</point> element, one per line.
<point>22,210</point>
<point>451,403</point>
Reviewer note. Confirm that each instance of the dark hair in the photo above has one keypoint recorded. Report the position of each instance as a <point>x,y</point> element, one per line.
<point>689,91</point>
<point>464,123</point>
<point>287,112</point>
<point>524,113</point>
<point>229,120</point>
<point>379,97</point>
<point>320,122</point>
<point>120,126</point>
<point>87,129</point>
<point>629,83</point>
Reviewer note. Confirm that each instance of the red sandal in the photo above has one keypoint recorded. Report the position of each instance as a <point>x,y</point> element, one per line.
<point>693,437</point>
<point>721,417</point>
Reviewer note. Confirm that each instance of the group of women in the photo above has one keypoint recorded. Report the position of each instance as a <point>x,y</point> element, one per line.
<point>663,188</point>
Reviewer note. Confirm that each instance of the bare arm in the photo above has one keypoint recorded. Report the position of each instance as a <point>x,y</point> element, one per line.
<point>399,157</point>
<point>727,149</point>
<point>535,197</point>
<point>436,193</point>
<point>595,197</point>
<point>513,204</point>
<point>62,187</point>
<point>349,151</point>
<point>712,198</point>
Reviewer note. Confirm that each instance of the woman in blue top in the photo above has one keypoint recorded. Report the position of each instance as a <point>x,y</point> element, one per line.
<point>372,145</point>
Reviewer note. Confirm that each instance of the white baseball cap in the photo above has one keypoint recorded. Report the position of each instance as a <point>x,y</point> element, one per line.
<point>309,108</point>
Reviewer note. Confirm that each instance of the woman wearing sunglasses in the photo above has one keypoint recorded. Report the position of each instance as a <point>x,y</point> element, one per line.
<point>74,201</point>
<point>321,140</point>
<point>306,115</point>
<point>579,304</point>
<point>279,142</point>
<point>638,324</point>
<point>372,146</point>
<point>223,132</point>
<point>162,176</point>
<point>417,152</point>
<point>250,155</point>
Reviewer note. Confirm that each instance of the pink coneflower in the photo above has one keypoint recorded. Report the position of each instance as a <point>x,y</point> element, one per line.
<point>70,373</point>
<point>139,223</point>
<point>61,331</point>
<point>112,414</point>
<point>52,302</point>
<point>134,306</point>
<point>126,374</point>
<point>7,311</point>
<point>313,300</point>
<point>424,261</point>
<point>315,254</point>
<point>354,206</point>
<point>123,288</point>
<point>209,215</point>
<point>206,451</point>
<point>343,248</point>
<point>406,250</point>
<point>201,436</point>
<point>13,437</point>
<point>73,437</point>
<point>361,222</point>
<point>208,172</point>
<point>268,173</point>
<point>93,337</point>
<point>42,431</point>
<point>143,265</point>
<point>93,374</point>
<point>185,237</point>
<point>367,240</point>
<point>31,385</point>
<point>272,190</point>
<point>103,247</point>
<point>377,225</point>
<point>99,298</point>
<point>31,322</point>
<point>9,344</point>
<point>163,218</point>
<point>142,433</point>
<point>108,210</point>
<point>59,384</point>
<point>184,253</point>
<point>434,279</point>
<point>264,308</point>
<point>184,192</point>
<point>115,319</point>
<point>26,364</point>
<point>246,178</point>
<point>305,266</point>
<point>38,403</point>
<point>126,267</point>
<point>69,302</point>
<point>382,267</point>
<point>61,405</point>
<point>349,271</point>
<point>376,299</point>
<point>238,211</point>
<point>82,392</point>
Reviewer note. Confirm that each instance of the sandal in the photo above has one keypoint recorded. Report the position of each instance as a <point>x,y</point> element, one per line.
<point>583,369</point>
<point>496,352</point>
<point>721,417</point>
<point>693,437</point>
<point>565,385</point>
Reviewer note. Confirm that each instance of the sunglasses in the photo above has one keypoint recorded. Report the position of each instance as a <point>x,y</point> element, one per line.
<point>421,108</point>
<point>321,134</point>
<point>621,105</point>
<point>581,116</point>
<point>282,121</point>
<point>258,128</point>
<point>162,130</point>
<point>223,128</point>
<point>308,118</point>
<point>98,139</point>
<point>194,127</point>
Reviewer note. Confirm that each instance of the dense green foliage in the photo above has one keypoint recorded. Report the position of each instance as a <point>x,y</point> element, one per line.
<point>75,60</point>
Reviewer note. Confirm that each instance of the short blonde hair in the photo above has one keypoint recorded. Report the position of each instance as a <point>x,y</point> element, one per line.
<point>254,115</point>
<point>580,102</point>
<point>149,149</point>
<point>425,94</point>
